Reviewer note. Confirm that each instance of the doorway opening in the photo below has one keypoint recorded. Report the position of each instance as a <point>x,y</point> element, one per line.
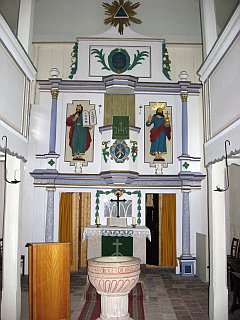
<point>161,220</point>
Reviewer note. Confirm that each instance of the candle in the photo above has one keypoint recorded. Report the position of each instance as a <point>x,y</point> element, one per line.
<point>97,220</point>
<point>133,221</point>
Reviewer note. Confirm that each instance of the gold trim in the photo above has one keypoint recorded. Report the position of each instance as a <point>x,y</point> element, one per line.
<point>184,96</point>
<point>54,93</point>
<point>159,105</point>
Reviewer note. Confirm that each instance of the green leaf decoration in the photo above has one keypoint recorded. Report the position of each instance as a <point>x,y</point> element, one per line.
<point>137,58</point>
<point>98,54</point>
<point>74,60</point>
<point>135,192</point>
<point>134,150</point>
<point>165,62</point>
<point>105,151</point>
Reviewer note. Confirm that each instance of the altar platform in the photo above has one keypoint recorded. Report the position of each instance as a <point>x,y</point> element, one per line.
<point>103,241</point>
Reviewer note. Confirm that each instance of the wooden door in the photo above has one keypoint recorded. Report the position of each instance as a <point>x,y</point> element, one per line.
<point>49,281</point>
<point>152,222</point>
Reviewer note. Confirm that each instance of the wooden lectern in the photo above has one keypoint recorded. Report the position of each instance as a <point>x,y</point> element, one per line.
<point>49,281</point>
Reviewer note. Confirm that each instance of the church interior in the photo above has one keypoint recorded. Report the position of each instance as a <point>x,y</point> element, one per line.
<point>119,125</point>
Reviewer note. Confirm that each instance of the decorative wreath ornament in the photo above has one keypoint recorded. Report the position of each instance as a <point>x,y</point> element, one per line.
<point>119,151</point>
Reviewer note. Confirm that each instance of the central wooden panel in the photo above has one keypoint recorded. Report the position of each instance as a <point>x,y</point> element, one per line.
<point>119,105</point>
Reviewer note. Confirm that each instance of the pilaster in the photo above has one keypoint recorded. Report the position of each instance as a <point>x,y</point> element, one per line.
<point>53,123</point>
<point>218,304</point>
<point>184,97</point>
<point>11,291</point>
<point>209,24</point>
<point>49,231</point>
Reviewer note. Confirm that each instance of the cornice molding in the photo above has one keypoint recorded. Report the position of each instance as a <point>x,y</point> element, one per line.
<point>44,178</point>
<point>140,87</point>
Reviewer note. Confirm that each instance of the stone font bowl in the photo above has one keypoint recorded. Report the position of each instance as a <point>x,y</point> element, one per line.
<point>114,274</point>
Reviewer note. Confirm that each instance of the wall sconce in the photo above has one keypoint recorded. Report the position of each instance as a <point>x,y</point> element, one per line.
<point>226,162</point>
<point>15,181</point>
<point>140,109</point>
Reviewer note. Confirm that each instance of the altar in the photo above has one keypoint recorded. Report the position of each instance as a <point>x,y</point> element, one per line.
<point>116,241</point>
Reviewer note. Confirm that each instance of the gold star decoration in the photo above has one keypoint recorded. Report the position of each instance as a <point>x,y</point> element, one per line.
<point>121,14</point>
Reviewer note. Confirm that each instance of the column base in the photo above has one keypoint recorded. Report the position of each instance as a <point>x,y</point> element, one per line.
<point>187,266</point>
<point>114,307</point>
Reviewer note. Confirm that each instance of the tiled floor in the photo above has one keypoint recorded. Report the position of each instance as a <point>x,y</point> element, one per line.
<point>167,296</point>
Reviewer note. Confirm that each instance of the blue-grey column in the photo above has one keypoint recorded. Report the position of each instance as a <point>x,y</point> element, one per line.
<point>184,96</point>
<point>49,231</point>
<point>185,225</point>
<point>53,125</point>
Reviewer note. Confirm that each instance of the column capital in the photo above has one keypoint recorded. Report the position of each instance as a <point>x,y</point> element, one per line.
<point>51,188</point>
<point>54,93</point>
<point>184,96</point>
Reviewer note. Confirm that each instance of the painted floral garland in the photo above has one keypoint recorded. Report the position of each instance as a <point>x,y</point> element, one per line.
<point>166,62</point>
<point>74,60</point>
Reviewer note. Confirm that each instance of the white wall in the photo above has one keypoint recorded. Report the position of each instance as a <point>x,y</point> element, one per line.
<point>221,125</point>
<point>224,84</point>
<point>221,80</point>
<point>45,56</point>
<point>233,219</point>
<point>61,20</point>
<point>17,72</point>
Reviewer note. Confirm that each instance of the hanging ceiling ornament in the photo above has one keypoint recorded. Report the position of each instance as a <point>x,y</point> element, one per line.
<point>121,13</point>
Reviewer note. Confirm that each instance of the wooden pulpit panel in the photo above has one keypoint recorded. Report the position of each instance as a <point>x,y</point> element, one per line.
<point>49,281</point>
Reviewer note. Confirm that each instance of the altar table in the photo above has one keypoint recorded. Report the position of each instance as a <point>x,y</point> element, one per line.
<point>137,236</point>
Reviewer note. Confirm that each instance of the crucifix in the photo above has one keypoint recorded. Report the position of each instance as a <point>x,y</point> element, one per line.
<point>118,193</point>
<point>117,244</point>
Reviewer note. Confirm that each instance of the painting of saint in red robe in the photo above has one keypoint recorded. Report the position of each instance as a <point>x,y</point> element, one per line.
<point>79,135</point>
